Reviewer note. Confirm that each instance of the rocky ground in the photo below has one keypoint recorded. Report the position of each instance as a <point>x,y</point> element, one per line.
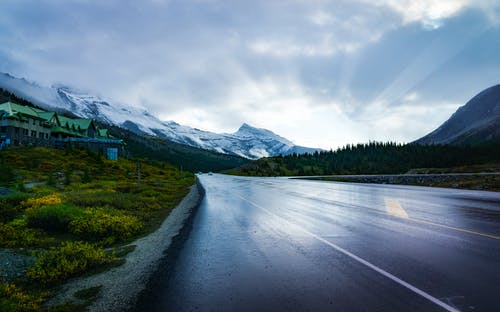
<point>13,264</point>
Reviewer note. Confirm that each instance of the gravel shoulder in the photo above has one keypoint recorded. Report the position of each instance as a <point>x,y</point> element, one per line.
<point>485,181</point>
<point>121,286</point>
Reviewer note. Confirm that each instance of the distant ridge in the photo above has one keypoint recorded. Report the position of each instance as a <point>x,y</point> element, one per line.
<point>477,122</point>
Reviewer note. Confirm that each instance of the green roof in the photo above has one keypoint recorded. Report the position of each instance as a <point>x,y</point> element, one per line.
<point>64,120</point>
<point>47,115</point>
<point>38,110</point>
<point>83,123</point>
<point>13,109</point>
<point>58,129</point>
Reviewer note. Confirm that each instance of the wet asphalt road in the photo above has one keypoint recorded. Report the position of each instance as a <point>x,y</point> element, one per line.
<point>273,244</point>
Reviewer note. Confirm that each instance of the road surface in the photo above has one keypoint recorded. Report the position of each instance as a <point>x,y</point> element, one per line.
<point>273,244</point>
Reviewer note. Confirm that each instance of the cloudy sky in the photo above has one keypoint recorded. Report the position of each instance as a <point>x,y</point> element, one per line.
<point>321,73</point>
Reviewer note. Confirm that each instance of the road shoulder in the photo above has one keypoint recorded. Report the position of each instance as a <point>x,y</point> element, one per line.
<point>121,286</point>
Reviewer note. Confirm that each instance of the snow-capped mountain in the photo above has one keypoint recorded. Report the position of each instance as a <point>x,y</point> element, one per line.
<point>248,142</point>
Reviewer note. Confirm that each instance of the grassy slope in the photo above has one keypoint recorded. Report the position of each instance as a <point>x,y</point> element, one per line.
<point>74,187</point>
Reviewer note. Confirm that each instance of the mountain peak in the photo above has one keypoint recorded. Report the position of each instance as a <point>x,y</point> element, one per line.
<point>247,127</point>
<point>475,122</point>
<point>247,130</point>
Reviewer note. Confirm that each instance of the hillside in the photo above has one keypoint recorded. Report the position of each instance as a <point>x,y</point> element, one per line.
<point>65,214</point>
<point>477,122</point>
<point>190,158</point>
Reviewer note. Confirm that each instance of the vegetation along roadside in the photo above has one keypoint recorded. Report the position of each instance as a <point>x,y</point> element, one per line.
<point>69,213</point>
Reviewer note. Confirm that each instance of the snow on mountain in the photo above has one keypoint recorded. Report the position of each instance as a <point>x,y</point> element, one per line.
<point>248,141</point>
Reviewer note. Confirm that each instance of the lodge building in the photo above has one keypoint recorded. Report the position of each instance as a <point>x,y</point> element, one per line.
<point>29,126</point>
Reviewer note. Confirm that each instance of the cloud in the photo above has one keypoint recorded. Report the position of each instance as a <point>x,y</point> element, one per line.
<point>296,67</point>
<point>320,30</point>
<point>407,122</point>
<point>321,18</point>
<point>431,13</point>
<point>410,97</point>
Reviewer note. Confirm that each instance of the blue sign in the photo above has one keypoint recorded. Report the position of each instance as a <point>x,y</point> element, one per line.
<point>112,153</point>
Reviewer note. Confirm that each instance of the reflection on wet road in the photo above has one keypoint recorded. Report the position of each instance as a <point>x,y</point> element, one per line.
<point>273,244</point>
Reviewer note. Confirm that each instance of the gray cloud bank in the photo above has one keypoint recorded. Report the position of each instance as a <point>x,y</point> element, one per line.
<point>323,73</point>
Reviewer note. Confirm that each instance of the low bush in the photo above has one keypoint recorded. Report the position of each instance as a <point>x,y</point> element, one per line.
<point>122,201</point>
<point>86,178</point>
<point>12,236</point>
<point>105,224</point>
<point>7,174</point>
<point>52,217</point>
<point>50,180</point>
<point>14,299</point>
<point>10,206</point>
<point>71,259</point>
<point>52,199</point>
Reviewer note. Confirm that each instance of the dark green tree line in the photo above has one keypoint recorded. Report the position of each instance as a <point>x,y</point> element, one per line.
<point>373,158</point>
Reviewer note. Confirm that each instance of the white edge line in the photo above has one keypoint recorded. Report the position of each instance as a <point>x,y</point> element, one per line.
<point>368,264</point>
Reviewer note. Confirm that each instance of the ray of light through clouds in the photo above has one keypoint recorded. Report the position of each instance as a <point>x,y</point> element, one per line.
<point>322,73</point>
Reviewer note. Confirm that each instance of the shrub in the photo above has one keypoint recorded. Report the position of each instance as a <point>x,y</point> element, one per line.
<point>67,177</point>
<point>12,236</point>
<point>51,180</point>
<point>52,217</point>
<point>71,259</point>
<point>122,201</point>
<point>86,176</point>
<point>10,206</point>
<point>109,224</point>
<point>13,299</point>
<point>7,174</point>
<point>52,199</point>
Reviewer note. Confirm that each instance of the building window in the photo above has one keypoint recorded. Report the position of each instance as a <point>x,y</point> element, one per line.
<point>3,129</point>
<point>34,122</point>
<point>41,135</point>
<point>25,132</point>
<point>46,135</point>
<point>33,133</point>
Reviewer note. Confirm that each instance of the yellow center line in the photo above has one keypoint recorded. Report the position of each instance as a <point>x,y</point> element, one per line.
<point>395,209</point>
<point>456,228</point>
<point>393,205</point>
